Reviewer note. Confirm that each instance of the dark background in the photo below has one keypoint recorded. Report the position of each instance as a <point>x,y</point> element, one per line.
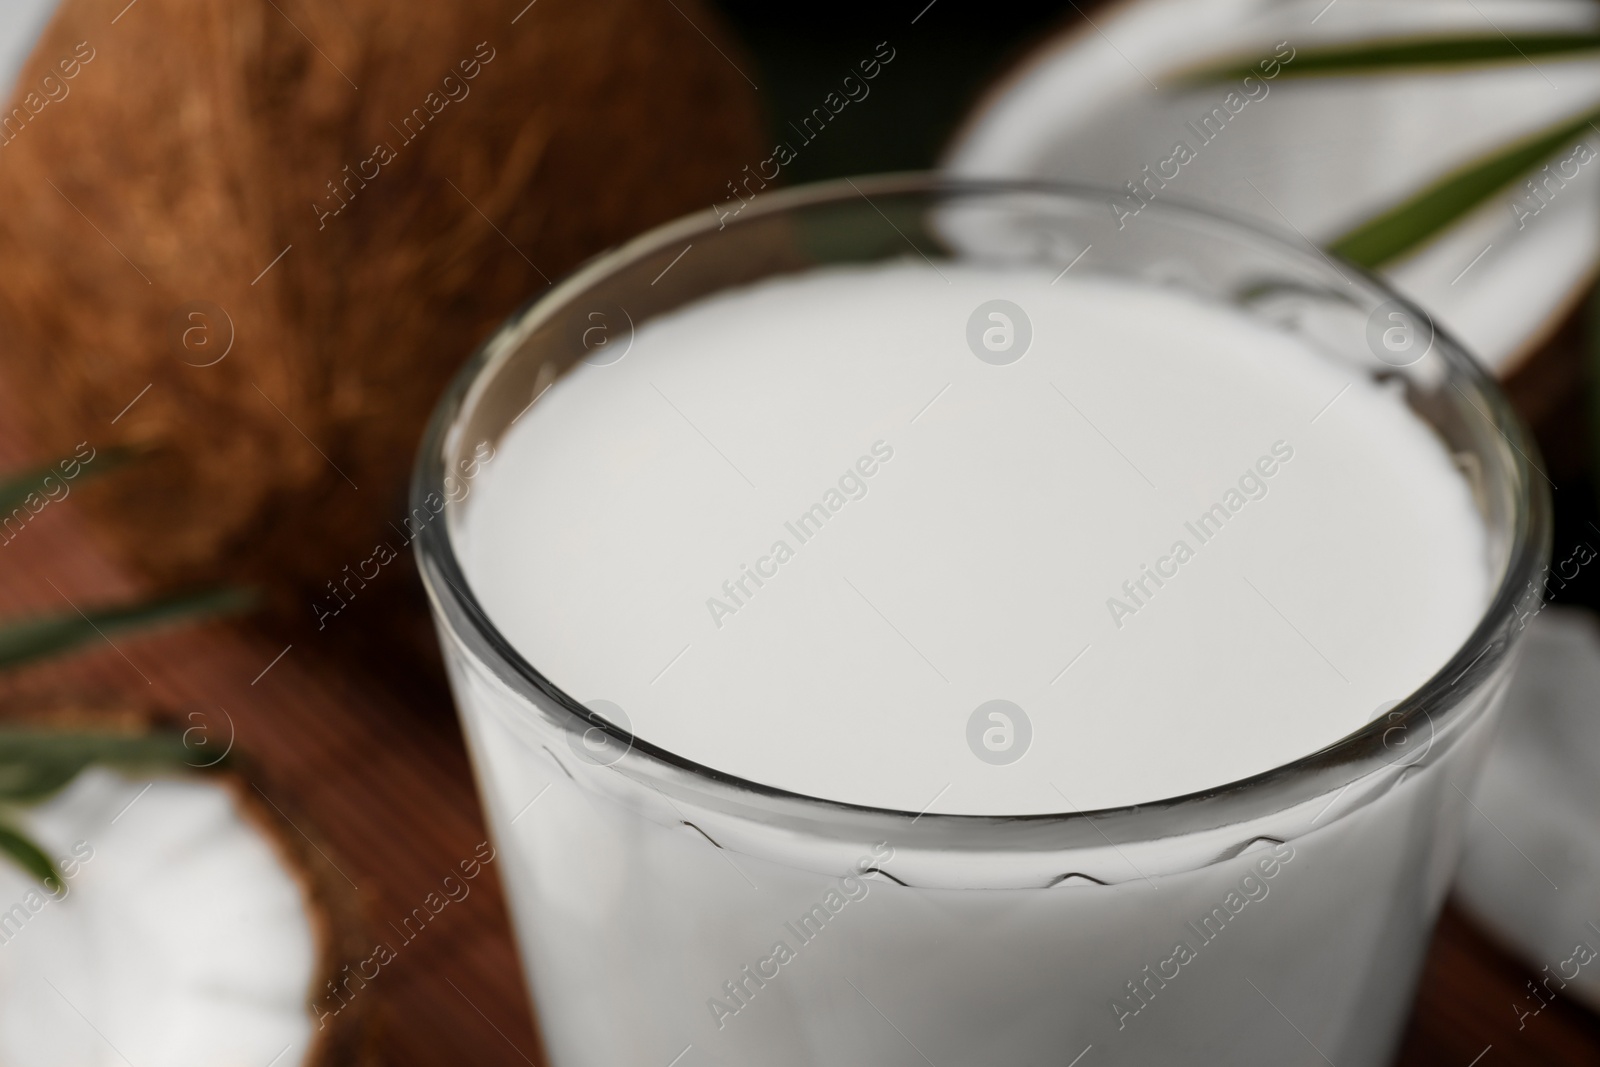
<point>941,65</point>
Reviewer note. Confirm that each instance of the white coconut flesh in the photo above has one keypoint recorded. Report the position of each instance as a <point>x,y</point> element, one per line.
<point>1531,867</point>
<point>21,22</point>
<point>1319,156</point>
<point>183,940</point>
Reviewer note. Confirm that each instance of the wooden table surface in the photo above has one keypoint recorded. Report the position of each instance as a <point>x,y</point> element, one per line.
<point>374,761</point>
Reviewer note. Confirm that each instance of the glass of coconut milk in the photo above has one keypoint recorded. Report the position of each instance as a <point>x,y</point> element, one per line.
<point>908,622</point>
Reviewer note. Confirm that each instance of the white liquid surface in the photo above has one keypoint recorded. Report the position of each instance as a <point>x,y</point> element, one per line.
<point>981,561</point>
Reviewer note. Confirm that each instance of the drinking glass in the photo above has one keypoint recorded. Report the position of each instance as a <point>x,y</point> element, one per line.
<point>650,895</point>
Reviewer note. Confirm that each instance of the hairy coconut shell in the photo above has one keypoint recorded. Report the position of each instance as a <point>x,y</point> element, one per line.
<point>347,1037</point>
<point>174,275</point>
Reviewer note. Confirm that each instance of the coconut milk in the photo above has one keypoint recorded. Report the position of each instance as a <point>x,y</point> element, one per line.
<point>802,533</point>
<point>969,541</point>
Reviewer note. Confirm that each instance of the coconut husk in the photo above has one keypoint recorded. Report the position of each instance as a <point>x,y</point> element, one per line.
<point>1550,390</point>
<point>205,253</point>
<point>348,1037</point>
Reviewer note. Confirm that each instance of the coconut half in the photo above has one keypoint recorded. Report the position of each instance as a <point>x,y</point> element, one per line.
<point>1317,156</point>
<point>183,935</point>
<point>1530,870</point>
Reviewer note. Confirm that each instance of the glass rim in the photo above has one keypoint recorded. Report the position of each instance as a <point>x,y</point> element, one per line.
<point>1341,762</point>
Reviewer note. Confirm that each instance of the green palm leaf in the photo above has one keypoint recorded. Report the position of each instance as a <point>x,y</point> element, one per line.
<point>35,763</point>
<point>17,488</point>
<point>49,635</point>
<point>1408,225</point>
<point>29,857</point>
<point>1399,56</point>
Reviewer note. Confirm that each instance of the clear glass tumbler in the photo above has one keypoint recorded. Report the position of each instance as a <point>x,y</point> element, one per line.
<point>669,913</point>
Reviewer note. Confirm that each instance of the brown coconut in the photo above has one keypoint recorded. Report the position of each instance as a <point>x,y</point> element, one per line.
<point>174,277</point>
